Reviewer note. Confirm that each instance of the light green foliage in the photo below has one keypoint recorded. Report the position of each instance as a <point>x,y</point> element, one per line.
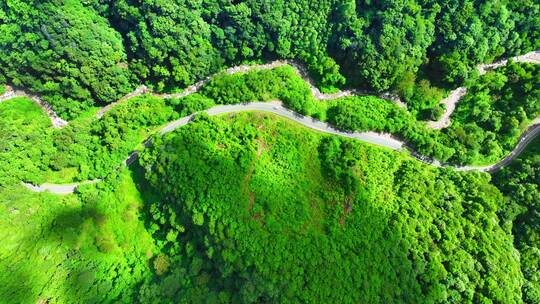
<point>89,247</point>
<point>263,211</point>
<point>95,147</point>
<point>254,208</point>
<point>281,83</point>
<point>25,141</point>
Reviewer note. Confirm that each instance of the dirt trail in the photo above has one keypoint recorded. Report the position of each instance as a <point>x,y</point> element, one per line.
<point>450,102</point>
<point>300,70</point>
<point>56,121</point>
<point>532,57</point>
<point>455,96</point>
<point>443,122</point>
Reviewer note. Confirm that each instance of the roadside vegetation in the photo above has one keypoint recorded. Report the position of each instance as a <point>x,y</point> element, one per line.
<point>218,197</point>
<point>520,183</point>
<point>485,126</point>
<point>257,209</point>
<point>250,207</point>
<point>495,112</point>
<point>25,141</point>
<point>82,53</point>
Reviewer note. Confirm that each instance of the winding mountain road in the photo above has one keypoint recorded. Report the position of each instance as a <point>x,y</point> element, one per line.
<point>380,139</point>
<point>299,69</point>
<point>455,96</point>
<point>275,107</point>
<point>450,102</point>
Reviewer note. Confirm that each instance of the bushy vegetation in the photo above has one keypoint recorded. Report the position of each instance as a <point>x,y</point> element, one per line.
<point>78,53</point>
<point>259,210</point>
<point>239,208</point>
<point>250,208</point>
<point>25,141</point>
<point>485,126</point>
<point>281,83</point>
<point>65,51</point>
<point>97,147</point>
<point>422,98</point>
<point>520,182</point>
<point>90,247</point>
<point>494,113</point>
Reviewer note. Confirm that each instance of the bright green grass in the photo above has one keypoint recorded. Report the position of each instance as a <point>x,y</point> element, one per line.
<point>75,248</point>
<point>25,141</point>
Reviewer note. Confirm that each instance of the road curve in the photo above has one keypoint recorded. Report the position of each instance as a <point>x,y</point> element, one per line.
<point>450,101</point>
<point>455,96</point>
<point>525,139</point>
<point>276,107</point>
<point>56,121</point>
<point>298,68</point>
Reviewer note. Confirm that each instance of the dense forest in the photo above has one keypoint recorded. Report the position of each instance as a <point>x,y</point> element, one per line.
<point>78,53</point>
<point>250,207</point>
<point>354,222</point>
<point>212,215</point>
<point>521,184</point>
<point>90,148</point>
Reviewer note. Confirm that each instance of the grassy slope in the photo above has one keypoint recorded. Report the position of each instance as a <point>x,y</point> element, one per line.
<point>84,247</point>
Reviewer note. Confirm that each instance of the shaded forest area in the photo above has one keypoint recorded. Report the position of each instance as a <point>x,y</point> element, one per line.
<point>81,53</point>
<point>520,182</point>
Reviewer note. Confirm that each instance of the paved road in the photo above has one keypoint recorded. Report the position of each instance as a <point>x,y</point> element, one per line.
<point>379,139</point>
<point>62,189</point>
<point>526,138</point>
<point>443,122</point>
<point>300,70</point>
<point>450,102</point>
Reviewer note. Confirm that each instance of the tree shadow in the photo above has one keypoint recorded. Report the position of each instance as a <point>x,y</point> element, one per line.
<point>76,259</point>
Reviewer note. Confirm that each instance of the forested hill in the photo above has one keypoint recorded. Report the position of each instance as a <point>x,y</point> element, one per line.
<point>78,53</point>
